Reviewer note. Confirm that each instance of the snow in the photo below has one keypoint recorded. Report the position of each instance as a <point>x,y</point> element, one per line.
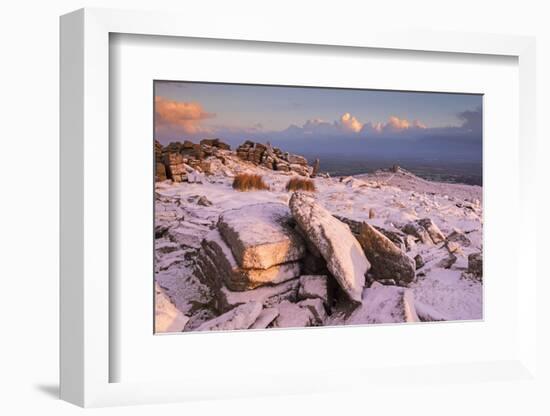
<point>167,317</point>
<point>259,235</point>
<point>267,295</point>
<point>384,304</point>
<point>258,224</point>
<point>395,199</point>
<point>292,315</point>
<point>265,318</point>
<point>241,317</point>
<point>313,286</point>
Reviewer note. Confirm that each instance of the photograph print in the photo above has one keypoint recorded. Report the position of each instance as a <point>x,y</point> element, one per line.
<point>296,206</point>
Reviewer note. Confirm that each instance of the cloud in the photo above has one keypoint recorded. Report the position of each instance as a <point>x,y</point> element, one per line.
<point>350,123</point>
<point>397,123</point>
<point>179,117</point>
<point>393,125</point>
<point>471,119</point>
<point>175,119</point>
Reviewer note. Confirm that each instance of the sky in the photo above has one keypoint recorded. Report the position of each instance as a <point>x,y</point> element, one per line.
<point>301,118</point>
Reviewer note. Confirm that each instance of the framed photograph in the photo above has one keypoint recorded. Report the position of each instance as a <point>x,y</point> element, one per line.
<point>245,215</point>
<point>280,223</point>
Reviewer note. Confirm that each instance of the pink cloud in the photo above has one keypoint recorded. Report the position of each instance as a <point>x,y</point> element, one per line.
<point>350,123</point>
<point>179,116</point>
<point>397,123</point>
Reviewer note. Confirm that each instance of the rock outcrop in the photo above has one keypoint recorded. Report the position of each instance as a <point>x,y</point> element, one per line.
<point>386,259</point>
<point>176,159</point>
<point>175,167</point>
<point>254,253</point>
<point>160,168</point>
<point>273,158</point>
<point>342,252</point>
<point>217,143</point>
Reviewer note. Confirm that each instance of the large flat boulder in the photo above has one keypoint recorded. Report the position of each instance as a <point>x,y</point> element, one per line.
<point>387,261</point>
<point>261,235</point>
<point>241,317</point>
<point>238,278</point>
<point>345,258</point>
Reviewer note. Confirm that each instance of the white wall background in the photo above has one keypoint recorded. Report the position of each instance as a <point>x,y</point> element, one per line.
<point>29,206</point>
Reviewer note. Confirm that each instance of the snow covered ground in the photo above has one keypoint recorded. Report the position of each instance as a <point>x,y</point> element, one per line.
<point>186,212</point>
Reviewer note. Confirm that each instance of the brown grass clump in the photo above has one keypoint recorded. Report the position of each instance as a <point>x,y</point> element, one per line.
<point>246,182</point>
<point>299,184</point>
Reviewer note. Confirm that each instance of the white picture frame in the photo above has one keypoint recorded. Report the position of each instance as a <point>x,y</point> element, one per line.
<point>85,211</point>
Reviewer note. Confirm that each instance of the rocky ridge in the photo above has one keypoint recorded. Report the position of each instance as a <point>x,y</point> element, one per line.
<point>177,159</point>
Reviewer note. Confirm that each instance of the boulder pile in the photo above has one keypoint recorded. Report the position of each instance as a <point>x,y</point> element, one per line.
<point>260,260</point>
<point>273,158</point>
<point>254,253</point>
<point>176,160</point>
<point>333,239</point>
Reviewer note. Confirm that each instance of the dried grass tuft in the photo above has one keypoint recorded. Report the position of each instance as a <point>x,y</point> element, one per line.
<point>247,182</point>
<point>299,184</point>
